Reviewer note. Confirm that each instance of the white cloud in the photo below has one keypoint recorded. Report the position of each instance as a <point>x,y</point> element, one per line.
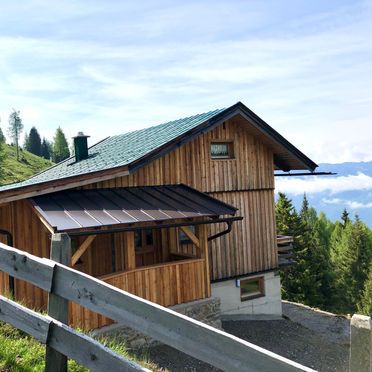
<point>352,204</point>
<point>333,201</point>
<point>358,205</point>
<point>316,184</point>
<point>117,66</point>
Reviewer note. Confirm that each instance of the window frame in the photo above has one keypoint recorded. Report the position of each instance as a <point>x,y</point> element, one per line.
<point>258,294</point>
<point>143,247</point>
<point>183,239</point>
<point>230,148</point>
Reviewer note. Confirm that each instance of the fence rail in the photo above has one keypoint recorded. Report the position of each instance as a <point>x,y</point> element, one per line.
<point>192,337</point>
<point>77,346</point>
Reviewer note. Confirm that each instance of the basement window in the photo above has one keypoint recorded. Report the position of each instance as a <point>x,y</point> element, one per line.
<point>252,288</point>
<point>222,150</point>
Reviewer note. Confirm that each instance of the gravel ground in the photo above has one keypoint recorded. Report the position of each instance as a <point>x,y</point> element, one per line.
<point>283,337</point>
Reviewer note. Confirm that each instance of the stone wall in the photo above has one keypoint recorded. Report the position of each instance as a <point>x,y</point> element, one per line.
<point>335,328</point>
<point>207,311</point>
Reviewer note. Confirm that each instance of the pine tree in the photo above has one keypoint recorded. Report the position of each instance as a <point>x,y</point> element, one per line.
<point>2,137</point>
<point>46,149</point>
<point>309,279</point>
<point>345,218</point>
<point>286,215</point>
<point>60,146</point>
<point>15,129</point>
<point>288,223</point>
<point>351,265</point>
<point>314,265</point>
<point>33,143</point>
<point>365,304</point>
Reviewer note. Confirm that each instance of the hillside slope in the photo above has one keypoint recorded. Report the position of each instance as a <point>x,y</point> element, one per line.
<point>29,164</point>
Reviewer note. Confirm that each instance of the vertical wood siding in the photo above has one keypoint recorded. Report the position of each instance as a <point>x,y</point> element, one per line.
<point>30,235</point>
<point>251,169</point>
<point>246,182</point>
<point>167,285</point>
<point>251,245</point>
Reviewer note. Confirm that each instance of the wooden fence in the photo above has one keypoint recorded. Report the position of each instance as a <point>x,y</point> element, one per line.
<point>197,339</point>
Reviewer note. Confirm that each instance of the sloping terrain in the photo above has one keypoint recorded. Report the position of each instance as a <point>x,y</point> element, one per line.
<point>28,165</point>
<point>316,339</point>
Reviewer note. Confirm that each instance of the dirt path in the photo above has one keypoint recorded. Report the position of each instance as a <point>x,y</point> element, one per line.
<point>283,337</point>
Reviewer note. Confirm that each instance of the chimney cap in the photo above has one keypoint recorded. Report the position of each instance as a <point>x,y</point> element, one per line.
<point>81,134</point>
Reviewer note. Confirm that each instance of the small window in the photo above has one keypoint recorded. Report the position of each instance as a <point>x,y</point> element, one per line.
<point>252,288</point>
<point>222,150</point>
<point>183,238</point>
<point>143,239</point>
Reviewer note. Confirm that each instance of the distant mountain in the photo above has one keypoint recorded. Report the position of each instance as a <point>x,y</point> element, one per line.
<point>351,188</point>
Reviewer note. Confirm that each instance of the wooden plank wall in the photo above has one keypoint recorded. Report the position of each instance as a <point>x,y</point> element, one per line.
<point>5,219</point>
<point>167,285</point>
<point>251,245</point>
<point>247,182</point>
<point>106,253</point>
<point>251,169</point>
<point>30,235</point>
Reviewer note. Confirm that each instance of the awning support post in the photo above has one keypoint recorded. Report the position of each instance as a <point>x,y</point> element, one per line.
<point>130,252</point>
<point>203,240</point>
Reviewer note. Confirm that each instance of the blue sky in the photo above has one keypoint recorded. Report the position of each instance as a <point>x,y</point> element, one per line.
<point>107,67</point>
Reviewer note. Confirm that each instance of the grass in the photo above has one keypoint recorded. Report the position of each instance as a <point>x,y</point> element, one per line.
<point>22,353</point>
<point>28,165</point>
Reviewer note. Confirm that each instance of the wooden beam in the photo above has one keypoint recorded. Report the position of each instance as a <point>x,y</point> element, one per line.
<point>81,250</point>
<point>190,235</point>
<point>41,218</point>
<point>61,184</point>
<point>203,238</point>
<point>130,253</point>
<point>60,251</point>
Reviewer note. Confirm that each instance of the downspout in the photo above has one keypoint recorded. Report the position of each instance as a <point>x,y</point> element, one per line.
<point>9,242</point>
<point>221,233</point>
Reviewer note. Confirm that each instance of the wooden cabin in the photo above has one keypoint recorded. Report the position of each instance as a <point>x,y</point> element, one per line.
<point>173,213</point>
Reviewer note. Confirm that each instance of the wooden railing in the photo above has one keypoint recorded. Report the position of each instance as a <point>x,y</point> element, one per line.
<point>165,284</point>
<point>199,340</point>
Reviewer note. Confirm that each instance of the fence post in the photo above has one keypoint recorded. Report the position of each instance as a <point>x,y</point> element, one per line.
<point>60,251</point>
<point>360,344</point>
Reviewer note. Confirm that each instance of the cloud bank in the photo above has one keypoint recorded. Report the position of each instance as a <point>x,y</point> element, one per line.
<point>348,203</point>
<point>113,66</point>
<point>315,184</point>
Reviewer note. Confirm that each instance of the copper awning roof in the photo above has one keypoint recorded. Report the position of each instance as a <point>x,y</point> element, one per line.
<point>85,209</point>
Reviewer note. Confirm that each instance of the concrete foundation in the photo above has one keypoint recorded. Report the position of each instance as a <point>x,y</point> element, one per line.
<point>268,306</point>
<point>207,311</point>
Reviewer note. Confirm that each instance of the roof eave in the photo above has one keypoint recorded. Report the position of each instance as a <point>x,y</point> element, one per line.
<point>61,184</point>
<point>277,137</point>
<point>238,108</point>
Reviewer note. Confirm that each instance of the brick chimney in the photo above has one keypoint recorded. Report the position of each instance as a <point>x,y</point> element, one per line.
<point>80,146</point>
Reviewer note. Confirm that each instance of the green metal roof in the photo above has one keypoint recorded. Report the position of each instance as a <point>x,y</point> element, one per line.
<point>117,151</point>
<point>134,149</point>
